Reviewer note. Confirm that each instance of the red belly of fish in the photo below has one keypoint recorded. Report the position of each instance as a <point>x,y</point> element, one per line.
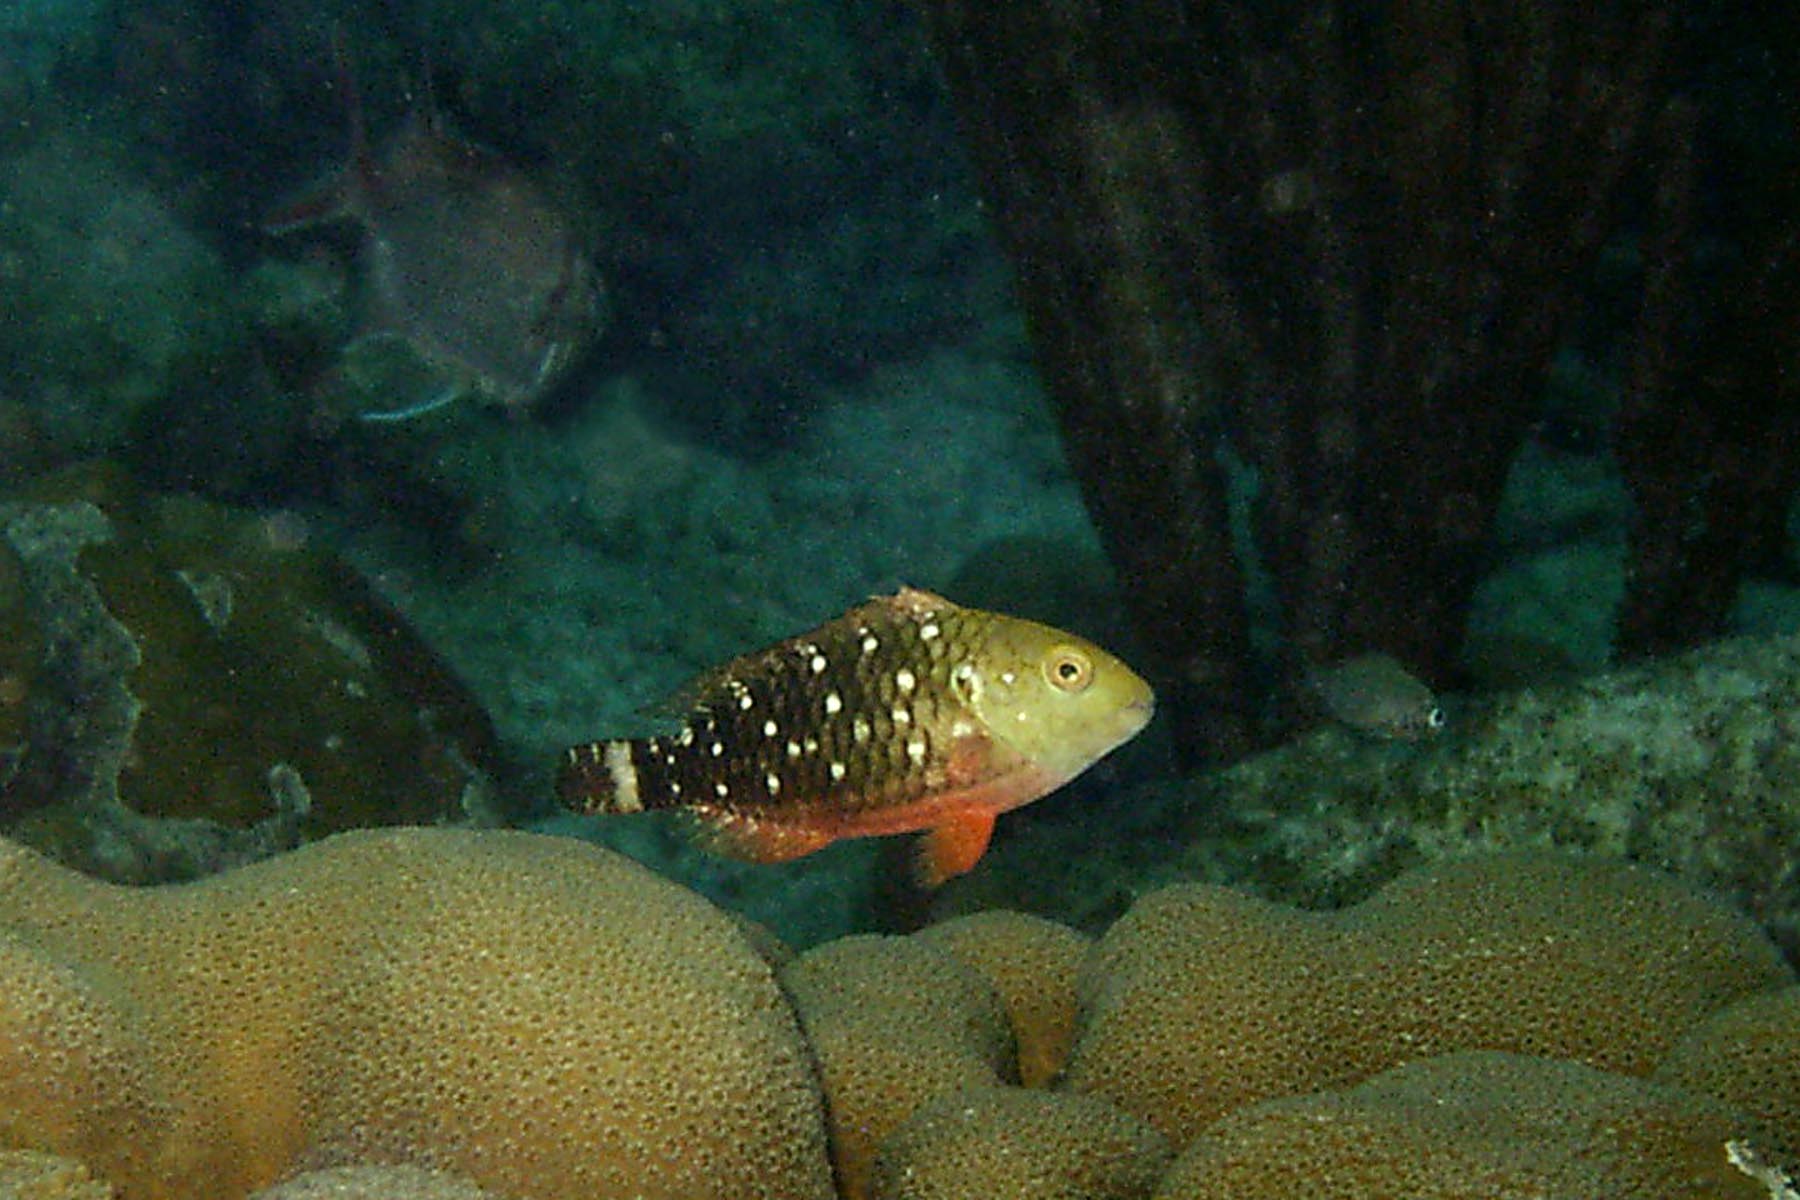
<point>957,824</point>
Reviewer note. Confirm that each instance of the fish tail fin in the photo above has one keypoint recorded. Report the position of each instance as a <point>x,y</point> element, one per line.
<point>601,777</point>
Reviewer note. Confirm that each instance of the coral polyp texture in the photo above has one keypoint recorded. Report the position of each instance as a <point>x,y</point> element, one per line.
<point>895,1022</point>
<point>1478,1126</point>
<point>456,1014</point>
<point>544,1018</point>
<point>1032,964</point>
<point>1201,1000</point>
<point>1004,1142</point>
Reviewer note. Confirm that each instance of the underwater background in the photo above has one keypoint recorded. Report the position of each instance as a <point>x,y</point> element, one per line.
<point>395,395</point>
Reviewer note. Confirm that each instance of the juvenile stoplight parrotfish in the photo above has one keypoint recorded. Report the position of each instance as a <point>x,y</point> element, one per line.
<point>1376,695</point>
<point>907,713</point>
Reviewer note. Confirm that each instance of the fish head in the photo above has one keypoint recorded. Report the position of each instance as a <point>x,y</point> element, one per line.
<point>1057,700</point>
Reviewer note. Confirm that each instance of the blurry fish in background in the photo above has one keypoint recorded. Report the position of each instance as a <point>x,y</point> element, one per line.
<point>908,713</point>
<point>464,258</point>
<point>1374,694</point>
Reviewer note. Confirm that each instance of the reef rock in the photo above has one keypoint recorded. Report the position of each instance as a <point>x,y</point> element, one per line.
<point>184,687</point>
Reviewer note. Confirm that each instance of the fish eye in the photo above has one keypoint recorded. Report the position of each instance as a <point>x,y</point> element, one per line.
<point>1068,669</point>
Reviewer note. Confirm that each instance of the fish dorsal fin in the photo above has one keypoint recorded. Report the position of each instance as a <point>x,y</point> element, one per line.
<point>915,601</point>
<point>333,198</point>
<point>696,694</point>
<point>710,685</point>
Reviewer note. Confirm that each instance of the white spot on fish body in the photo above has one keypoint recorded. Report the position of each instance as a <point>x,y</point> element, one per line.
<point>745,700</point>
<point>837,771</point>
<point>687,735</point>
<point>929,630</point>
<point>1008,678</point>
<point>793,749</point>
<point>861,729</point>
<point>812,745</point>
<point>721,790</point>
<point>770,729</point>
<point>718,748</point>
<point>902,716</point>
<point>915,750</point>
<point>818,664</point>
<point>773,782</point>
<point>870,644</point>
<point>961,728</point>
<point>834,704</point>
<point>905,680</point>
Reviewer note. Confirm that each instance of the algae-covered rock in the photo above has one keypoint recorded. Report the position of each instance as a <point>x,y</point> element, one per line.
<point>184,686</point>
<point>1688,763</point>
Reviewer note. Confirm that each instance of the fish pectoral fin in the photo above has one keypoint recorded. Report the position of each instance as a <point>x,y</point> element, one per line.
<point>953,847</point>
<point>757,839</point>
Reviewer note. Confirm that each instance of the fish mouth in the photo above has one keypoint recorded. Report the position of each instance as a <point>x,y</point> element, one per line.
<point>1135,715</point>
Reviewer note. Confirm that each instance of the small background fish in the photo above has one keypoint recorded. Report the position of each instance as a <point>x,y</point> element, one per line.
<point>1375,694</point>
<point>465,259</point>
<point>907,713</point>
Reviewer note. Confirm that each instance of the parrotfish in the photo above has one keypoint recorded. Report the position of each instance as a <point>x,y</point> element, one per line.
<point>907,713</point>
<point>464,258</point>
<point>1374,694</point>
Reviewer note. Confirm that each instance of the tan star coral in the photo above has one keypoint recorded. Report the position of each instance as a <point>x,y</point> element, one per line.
<point>1202,1000</point>
<point>1482,1126</point>
<point>895,1022</point>
<point>540,1016</point>
<point>1032,963</point>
